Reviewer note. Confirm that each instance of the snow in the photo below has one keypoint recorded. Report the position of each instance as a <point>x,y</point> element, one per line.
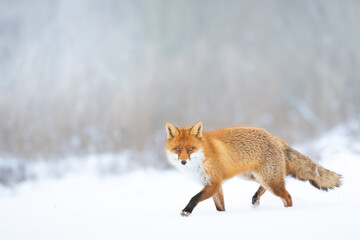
<point>146,204</point>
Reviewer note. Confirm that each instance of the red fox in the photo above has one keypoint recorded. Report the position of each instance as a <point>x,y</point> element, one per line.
<point>249,152</point>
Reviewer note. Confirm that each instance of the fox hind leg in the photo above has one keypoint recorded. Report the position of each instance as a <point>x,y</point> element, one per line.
<point>257,195</point>
<point>278,189</point>
<point>219,200</point>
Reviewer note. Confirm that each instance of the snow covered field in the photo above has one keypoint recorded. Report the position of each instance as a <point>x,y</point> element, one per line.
<point>146,205</point>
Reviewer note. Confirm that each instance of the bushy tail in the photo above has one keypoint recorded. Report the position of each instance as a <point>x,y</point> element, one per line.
<point>303,168</point>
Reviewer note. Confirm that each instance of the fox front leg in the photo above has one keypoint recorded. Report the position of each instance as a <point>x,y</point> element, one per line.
<point>219,200</point>
<point>207,192</point>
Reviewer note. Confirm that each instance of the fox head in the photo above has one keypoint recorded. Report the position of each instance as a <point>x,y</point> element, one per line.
<point>184,144</point>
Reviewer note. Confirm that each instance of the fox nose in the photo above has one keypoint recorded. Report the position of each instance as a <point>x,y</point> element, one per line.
<point>183,162</point>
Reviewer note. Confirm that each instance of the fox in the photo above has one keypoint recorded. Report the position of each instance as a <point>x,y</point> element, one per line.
<point>248,152</point>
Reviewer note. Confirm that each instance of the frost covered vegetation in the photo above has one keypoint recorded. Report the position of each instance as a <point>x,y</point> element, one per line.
<point>89,78</point>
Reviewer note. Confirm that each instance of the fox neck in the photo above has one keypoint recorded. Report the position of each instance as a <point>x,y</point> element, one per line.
<point>194,167</point>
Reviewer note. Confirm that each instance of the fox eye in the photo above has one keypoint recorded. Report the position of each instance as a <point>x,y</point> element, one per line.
<point>177,149</point>
<point>190,149</point>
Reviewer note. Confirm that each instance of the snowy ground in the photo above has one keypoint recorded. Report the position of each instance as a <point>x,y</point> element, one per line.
<point>146,205</point>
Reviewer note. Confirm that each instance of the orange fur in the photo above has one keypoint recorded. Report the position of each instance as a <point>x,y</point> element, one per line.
<point>250,152</point>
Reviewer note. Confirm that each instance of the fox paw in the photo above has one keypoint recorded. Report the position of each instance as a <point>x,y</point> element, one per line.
<point>185,214</point>
<point>255,201</point>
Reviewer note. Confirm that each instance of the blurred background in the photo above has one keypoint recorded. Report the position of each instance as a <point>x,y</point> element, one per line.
<point>97,80</point>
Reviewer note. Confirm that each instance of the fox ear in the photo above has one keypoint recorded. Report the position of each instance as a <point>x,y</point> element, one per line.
<point>171,131</point>
<point>197,129</point>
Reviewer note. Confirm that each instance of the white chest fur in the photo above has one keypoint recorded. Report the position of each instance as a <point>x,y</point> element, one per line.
<point>194,166</point>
